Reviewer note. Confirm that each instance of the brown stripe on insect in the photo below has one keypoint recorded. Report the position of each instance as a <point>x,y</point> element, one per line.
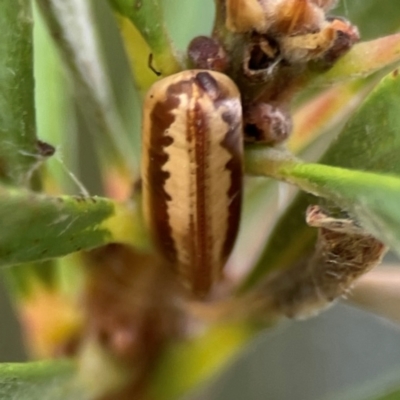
<point>192,172</point>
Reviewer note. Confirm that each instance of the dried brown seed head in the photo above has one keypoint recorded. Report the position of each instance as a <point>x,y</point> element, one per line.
<point>261,56</point>
<point>303,48</point>
<point>335,38</point>
<point>344,252</point>
<point>265,123</point>
<point>346,36</point>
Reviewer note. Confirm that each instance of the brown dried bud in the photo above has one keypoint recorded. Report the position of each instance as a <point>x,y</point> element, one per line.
<point>346,36</point>
<point>265,123</point>
<point>260,57</point>
<point>344,252</point>
<point>206,53</point>
<point>334,39</point>
<point>303,48</point>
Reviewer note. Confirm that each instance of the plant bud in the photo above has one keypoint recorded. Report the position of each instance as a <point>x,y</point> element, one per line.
<point>265,123</point>
<point>245,16</point>
<point>206,53</point>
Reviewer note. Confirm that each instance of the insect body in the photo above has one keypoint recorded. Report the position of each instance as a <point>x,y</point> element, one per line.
<point>192,172</point>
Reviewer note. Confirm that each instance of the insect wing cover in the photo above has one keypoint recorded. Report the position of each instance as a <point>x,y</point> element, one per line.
<point>192,172</point>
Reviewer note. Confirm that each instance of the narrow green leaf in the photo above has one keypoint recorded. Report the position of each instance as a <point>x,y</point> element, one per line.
<point>373,19</point>
<point>56,119</point>
<point>38,227</point>
<point>371,138</point>
<point>326,112</point>
<point>148,18</point>
<point>48,380</point>
<point>18,151</point>
<point>364,59</point>
<point>373,199</point>
<point>82,32</point>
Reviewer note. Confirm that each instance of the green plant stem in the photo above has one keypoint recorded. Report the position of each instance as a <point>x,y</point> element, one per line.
<point>148,18</point>
<point>19,154</point>
<point>370,198</point>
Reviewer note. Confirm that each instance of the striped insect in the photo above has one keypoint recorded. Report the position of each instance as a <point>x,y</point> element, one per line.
<point>192,172</point>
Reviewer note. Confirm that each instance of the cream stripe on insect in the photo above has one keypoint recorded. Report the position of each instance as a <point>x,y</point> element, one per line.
<point>218,182</point>
<point>192,172</point>
<point>181,184</point>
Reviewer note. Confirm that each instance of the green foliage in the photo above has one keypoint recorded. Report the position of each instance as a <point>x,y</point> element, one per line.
<point>149,20</point>
<point>370,140</point>
<point>56,226</point>
<point>48,380</point>
<point>18,152</point>
<point>358,146</point>
<point>84,32</point>
<point>359,172</point>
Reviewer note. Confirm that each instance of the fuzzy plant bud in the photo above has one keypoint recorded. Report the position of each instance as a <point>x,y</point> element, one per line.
<point>346,36</point>
<point>334,39</point>
<point>295,17</point>
<point>281,17</point>
<point>266,123</point>
<point>206,53</point>
<point>246,15</point>
<point>344,252</point>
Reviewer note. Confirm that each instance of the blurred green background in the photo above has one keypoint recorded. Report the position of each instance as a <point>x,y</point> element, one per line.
<point>342,354</point>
